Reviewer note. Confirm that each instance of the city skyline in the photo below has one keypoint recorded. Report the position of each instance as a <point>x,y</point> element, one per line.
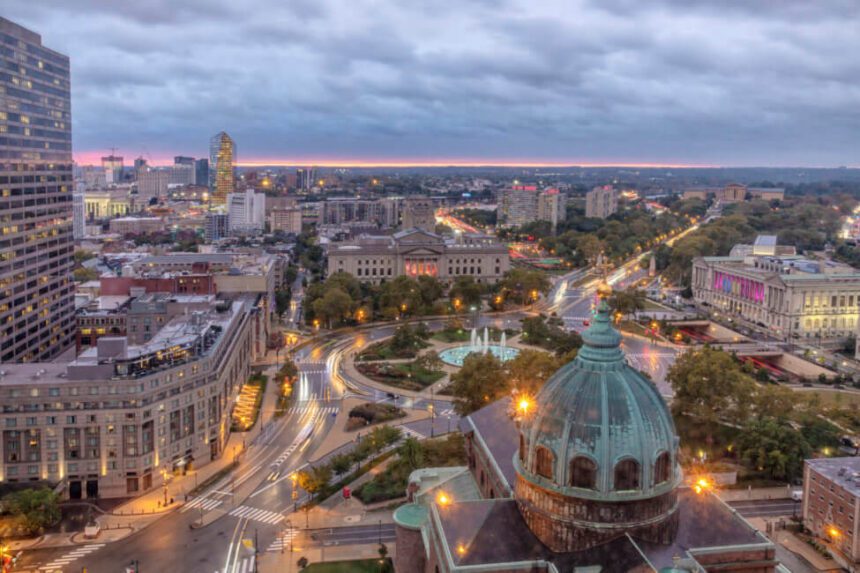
<point>330,83</point>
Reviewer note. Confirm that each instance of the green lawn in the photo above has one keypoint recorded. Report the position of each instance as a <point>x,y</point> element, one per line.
<point>357,566</point>
<point>651,305</point>
<point>402,375</point>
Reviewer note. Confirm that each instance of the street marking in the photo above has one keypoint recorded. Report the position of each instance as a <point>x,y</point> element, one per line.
<point>203,503</point>
<point>256,514</point>
<point>413,433</point>
<point>323,411</point>
<point>59,562</point>
<point>283,540</point>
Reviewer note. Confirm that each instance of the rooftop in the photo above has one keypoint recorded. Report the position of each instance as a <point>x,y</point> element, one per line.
<point>493,531</point>
<point>844,472</point>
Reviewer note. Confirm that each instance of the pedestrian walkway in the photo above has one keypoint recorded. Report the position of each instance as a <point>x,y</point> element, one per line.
<point>60,562</point>
<point>282,543</point>
<point>256,514</point>
<point>244,565</point>
<point>414,433</point>
<point>301,409</point>
<point>202,503</point>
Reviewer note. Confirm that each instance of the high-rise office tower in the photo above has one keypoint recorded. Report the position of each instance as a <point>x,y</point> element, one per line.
<point>222,156</point>
<point>112,165</point>
<point>37,252</point>
<point>201,172</point>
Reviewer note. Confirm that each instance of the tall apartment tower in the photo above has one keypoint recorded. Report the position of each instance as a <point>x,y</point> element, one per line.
<point>418,212</point>
<point>36,185</point>
<point>601,202</point>
<point>222,157</point>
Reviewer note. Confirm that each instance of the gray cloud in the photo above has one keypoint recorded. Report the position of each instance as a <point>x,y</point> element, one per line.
<point>761,83</point>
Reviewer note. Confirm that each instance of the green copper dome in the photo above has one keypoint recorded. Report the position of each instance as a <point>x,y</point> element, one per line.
<point>599,429</point>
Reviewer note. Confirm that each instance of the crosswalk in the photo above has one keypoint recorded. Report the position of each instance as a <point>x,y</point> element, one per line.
<point>414,433</point>
<point>244,565</point>
<point>445,413</point>
<point>282,542</point>
<point>256,514</point>
<point>60,562</point>
<point>301,409</point>
<point>201,503</point>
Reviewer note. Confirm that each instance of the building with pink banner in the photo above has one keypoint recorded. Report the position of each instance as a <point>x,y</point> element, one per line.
<point>786,295</point>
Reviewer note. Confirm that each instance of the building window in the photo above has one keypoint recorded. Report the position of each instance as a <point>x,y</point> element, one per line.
<point>626,475</point>
<point>583,473</point>
<point>662,468</point>
<point>543,462</point>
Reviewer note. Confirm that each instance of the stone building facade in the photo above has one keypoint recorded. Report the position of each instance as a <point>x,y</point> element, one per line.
<point>414,252</point>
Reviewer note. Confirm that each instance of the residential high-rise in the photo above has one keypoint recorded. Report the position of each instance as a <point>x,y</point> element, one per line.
<point>201,172</point>
<point>182,172</point>
<point>36,255</point>
<point>113,166</point>
<point>222,156</point>
<point>551,207</point>
<point>522,204</point>
<point>152,184</point>
<point>139,164</point>
<point>601,202</point>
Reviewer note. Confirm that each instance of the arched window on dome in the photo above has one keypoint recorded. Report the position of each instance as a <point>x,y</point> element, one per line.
<point>522,449</point>
<point>543,462</point>
<point>626,475</point>
<point>662,468</point>
<point>583,473</point>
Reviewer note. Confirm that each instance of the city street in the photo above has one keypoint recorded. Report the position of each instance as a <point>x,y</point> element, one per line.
<point>767,507</point>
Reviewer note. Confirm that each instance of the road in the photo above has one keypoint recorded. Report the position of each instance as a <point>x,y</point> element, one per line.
<point>221,547</point>
<point>767,507</point>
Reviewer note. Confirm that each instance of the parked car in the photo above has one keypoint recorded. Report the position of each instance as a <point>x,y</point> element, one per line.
<point>797,495</point>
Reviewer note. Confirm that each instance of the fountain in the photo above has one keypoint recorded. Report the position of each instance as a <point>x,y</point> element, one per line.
<point>477,344</point>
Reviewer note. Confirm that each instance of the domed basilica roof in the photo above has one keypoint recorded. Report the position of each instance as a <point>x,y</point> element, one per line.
<point>599,429</point>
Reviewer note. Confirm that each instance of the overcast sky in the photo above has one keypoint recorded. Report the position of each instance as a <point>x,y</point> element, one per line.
<point>745,82</point>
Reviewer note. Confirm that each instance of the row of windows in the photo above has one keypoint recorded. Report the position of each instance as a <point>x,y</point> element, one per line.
<point>583,470</point>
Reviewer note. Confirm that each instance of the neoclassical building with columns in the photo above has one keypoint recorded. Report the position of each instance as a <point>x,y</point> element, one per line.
<point>415,252</point>
<point>789,296</point>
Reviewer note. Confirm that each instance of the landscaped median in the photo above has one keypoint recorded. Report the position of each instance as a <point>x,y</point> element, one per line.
<point>248,403</point>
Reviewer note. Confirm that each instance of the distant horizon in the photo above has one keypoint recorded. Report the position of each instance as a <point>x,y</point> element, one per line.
<point>161,160</point>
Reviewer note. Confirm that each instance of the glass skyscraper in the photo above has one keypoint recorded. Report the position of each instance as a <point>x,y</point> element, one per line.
<point>222,156</point>
<point>36,244</point>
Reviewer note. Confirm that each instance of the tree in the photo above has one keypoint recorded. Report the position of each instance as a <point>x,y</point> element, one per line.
<point>34,509</point>
<point>429,361</point>
<point>282,300</point>
<point>590,246</point>
<point>524,284</point>
<point>773,447</point>
<point>333,307</point>
<point>411,452</point>
<point>478,382</point>
<point>84,274</point>
<point>340,464</point>
<point>530,369</point>
<point>466,291</point>
<point>820,433</point>
<point>710,386</point>
<point>315,480</point>
<point>627,301</point>
<point>774,402</point>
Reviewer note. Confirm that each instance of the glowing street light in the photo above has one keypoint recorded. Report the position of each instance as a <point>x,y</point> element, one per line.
<point>833,532</point>
<point>443,499</point>
<point>524,405</point>
<point>702,485</point>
